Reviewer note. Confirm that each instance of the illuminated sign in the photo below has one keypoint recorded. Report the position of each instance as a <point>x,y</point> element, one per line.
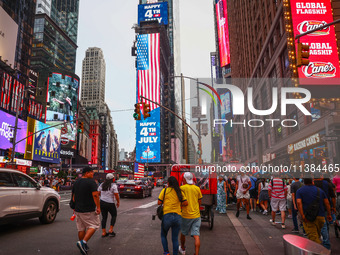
<point>226,105</point>
<point>223,32</point>
<point>7,121</point>
<point>158,11</point>
<point>324,60</point>
<point>148,134</point>
<point>309,141</point>
<point>6,83</point>
<point>63,94</point>
<point>44,145</point>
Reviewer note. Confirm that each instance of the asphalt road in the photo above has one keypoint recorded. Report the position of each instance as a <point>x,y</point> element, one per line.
<point>137,233</point>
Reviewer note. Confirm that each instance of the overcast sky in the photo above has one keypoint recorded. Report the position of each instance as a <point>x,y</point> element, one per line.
<point>107,24</point>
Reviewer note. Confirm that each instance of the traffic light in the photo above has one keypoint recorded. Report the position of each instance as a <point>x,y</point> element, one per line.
<point>81,127</point>
<point>8,154</point>
<point>137,114</point>
<point>146,110</point>
<point>302,55</point>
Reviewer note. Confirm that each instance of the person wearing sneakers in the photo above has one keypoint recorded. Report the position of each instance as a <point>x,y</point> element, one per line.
<point>242,193</point>
<point>263,195</point>
<point>173,199</point>
<point>109,197</point>
<point>191,217</point>
<point>87,208</point>
<point>277,190</point>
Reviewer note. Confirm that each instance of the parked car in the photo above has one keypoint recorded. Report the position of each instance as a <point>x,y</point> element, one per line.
<point>135,189</point>
<point>24,198</point>
<point>160,182</point>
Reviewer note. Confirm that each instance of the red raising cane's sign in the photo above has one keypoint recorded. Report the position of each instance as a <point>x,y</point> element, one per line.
<point>324,61</point>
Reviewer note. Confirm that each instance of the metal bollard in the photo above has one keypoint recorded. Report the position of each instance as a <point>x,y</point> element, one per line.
<point>297,245</point>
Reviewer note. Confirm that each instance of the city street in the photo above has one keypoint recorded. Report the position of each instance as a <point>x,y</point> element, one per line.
<point>138,233</point>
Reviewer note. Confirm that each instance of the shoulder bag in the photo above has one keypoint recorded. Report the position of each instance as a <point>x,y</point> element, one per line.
<point>160,211</point>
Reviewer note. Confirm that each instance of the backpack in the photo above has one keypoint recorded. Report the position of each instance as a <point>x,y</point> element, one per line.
<point>313,209</point>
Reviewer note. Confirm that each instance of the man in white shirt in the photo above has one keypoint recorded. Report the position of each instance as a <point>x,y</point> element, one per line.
<point>242,192</point>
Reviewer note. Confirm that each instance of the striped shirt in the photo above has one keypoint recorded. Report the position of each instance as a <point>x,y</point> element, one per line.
<point>278,189</point>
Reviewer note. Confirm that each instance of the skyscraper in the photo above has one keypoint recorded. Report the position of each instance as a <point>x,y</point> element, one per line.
<point>93,78</point>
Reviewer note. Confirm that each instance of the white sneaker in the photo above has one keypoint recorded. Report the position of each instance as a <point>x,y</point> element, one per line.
<point>181,251</point>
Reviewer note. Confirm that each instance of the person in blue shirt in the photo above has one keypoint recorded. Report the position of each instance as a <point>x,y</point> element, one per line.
<point>305,196</point>
<point>253,193</point>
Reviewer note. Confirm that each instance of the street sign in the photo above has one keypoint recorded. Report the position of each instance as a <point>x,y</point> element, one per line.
<point>330,138</point>
<point>196,111</point>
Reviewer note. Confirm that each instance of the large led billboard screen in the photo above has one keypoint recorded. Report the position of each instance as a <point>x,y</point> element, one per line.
<point>6,132</point>
<point>157,11</point>
<point>44,145</point>
<point>148,146</point>
<point>63,92</point>
<point>223,32</point>
<point>324,61</point>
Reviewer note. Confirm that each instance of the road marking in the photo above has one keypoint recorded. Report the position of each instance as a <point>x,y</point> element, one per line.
<point>148,205</point>
<point>245,237</point>
<point>61,201</point>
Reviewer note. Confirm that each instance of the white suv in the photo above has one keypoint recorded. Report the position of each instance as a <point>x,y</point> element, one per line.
<point>22,198</point>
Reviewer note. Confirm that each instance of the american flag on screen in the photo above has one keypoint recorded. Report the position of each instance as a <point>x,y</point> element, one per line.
<point>139,171</point>
<point>148,73</point>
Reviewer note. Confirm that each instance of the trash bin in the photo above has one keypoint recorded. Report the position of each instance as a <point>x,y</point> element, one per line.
<point>297,245</point>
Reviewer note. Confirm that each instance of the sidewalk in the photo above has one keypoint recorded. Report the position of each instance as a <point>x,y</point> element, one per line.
<point>268,238</point>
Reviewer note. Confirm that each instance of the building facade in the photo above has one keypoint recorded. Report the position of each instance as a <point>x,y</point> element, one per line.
<point>93,78</point>
<point>262,47</point>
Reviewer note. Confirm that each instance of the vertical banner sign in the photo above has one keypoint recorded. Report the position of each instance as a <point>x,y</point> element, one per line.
<point>158,11</point>
<point>148,148</point>
<point>6,83</point>
<point>223,32</point>
<point>324,61</point>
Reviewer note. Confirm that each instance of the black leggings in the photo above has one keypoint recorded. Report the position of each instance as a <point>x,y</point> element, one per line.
<point>105,208</point>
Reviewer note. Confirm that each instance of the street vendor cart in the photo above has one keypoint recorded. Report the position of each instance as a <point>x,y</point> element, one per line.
<point>206,179</point>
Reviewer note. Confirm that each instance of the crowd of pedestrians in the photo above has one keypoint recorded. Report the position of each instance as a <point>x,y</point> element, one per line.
<point>313,202</point>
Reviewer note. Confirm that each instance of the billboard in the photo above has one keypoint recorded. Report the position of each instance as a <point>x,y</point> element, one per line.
<point>63,94</point>
<point>6,132</point>
<point>158,11</point>
<point>6,85</point>
<point>44,145</point>
<point>8,37</point>
<point>226,105</point>
<point>223,32</point>
<point>148,146</point>
<point>324,61</point>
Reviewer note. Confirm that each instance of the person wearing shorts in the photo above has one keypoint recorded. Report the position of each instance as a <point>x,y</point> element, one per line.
<point>87,208</point>
<point>277,190</point>
<point>191,217</point>
<point>242,193</point>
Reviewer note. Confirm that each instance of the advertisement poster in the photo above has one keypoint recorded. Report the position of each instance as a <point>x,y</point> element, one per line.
<point>45,144</point>
<point>6,132</point>
<point>324,60</point>
<point>63,94</point>
<point>158,11</point>
<point>148,147</point>
<point>8,37</point>
<point>223,32</point>
<point>226,105</point>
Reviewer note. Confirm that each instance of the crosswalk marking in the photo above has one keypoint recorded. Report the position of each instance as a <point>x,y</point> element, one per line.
<point>148,205</point>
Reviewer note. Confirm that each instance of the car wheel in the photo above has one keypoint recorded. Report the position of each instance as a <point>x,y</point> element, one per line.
<point>49,212</point>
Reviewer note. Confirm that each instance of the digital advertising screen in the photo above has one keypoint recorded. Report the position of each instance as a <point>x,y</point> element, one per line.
<point>6,132</point>
<point>223,32</point>
<point>324,61</point>
<point>226,105</point>
<point>63,95</point>
<point>148,144</point>
<point>157,11</point>
<point>45,145</point>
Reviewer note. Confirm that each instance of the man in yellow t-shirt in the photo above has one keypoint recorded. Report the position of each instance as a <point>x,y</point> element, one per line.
<point>191,217</point>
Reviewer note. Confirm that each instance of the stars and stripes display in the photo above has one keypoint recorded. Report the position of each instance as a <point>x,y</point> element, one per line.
<point>148,71</point>
<point>139,171</point>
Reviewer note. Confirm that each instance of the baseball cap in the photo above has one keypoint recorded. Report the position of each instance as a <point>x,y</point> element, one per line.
<point>188,177</point>
<point>87,169</point>
<point>109,176</point>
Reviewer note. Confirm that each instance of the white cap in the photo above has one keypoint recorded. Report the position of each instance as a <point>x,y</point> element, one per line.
<point>188,177</point>
<point>109,176</point>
